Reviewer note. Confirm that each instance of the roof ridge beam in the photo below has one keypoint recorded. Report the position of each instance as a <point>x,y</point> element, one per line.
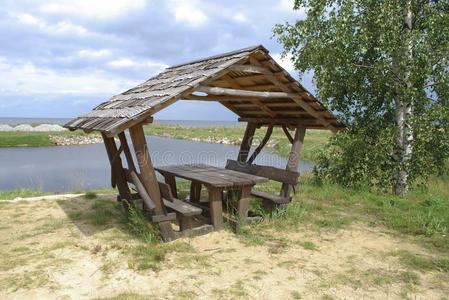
<point>219,91</point>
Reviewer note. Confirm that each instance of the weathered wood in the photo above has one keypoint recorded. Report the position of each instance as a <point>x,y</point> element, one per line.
<point>211,176</point>
<point>243,205</point>
<point>293,159</point>
<point>216,209</point>
<point>183,208</point>
<point>295,97</point>
<point>242,93</point>
<point>149,179</point>
<point>272,173</point>
<point>287,133</point>
<point>280,121</point>
<point>141,189</point>
<point>247,140</point>
<point>259,103</point>
<point>273,198</point>
<point>195,191</point>
<point>250,69</point>
<point>117,168</point>
<point>129,157</point>
<point>261,145</point>
<point>163,218</point>
<point>171,181</point>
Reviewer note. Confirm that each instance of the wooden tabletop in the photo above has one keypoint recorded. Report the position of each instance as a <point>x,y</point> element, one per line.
<point>211,176</point>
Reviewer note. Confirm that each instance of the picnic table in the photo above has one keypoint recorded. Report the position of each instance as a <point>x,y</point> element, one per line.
<point>216,180</point>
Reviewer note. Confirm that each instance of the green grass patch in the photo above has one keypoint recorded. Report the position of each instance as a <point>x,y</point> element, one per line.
<point>423,263</point>
<point>23,193</point>
<point>32,139</point>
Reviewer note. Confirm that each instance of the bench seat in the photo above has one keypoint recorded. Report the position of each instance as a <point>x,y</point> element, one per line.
<point>183,208</point>
<point>271,197</point>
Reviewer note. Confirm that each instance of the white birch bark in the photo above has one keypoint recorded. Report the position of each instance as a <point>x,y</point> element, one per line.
<point>404,112</point>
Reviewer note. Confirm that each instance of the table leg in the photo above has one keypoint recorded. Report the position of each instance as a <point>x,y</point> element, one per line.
<point>195,192</point>
<point>243,205</point>
<point>171,181</point>
<point>216,209</point>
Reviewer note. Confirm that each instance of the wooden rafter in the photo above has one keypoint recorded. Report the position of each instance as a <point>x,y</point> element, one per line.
<point>259,103</point>
<point>295,97</point>
<point>242,93</point>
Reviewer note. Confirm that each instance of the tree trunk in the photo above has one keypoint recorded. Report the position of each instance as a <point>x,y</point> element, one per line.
<point>404,112</point>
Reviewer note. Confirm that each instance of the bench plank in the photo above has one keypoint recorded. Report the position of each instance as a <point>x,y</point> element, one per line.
<point>182,208</point>
<point>273,198</point>
<point>276,174</point>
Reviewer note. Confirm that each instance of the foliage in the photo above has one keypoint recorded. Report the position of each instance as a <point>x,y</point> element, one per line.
<point>365,62</point>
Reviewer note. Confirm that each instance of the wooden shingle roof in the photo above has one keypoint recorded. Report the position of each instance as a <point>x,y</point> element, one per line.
<point>248,82</point>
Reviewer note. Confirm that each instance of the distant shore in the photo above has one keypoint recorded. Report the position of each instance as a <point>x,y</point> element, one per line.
<point>231,135</point>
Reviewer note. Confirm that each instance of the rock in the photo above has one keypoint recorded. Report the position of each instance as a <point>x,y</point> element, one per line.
<point>23,127</point>
<point>75,140</point>
<point>6,127</point>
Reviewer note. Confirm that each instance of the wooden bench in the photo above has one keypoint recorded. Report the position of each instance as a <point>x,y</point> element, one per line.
<point>272,173</point>
<point>184,211</point>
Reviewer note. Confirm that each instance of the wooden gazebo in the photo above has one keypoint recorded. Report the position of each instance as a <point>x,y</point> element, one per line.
<point>249,83</point>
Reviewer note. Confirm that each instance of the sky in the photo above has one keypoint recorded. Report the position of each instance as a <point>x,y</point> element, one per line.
<point>62,58</point>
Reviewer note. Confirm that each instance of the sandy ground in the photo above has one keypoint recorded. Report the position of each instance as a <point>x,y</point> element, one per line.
<point>50,250</point>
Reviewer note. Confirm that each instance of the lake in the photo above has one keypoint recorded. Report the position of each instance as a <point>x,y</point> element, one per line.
<point>83,167</point>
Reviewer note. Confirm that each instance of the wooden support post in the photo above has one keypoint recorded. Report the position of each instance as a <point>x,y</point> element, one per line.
<point>216,209</point>
<point>243,206</point>
<point>148,178</point>
<point>129,157</point>
<point>117,168</point>
<point>262,144</point>
<point>293,159</point>
<point>171,181</point>
<point>195,192</point>
<point>246,142</point>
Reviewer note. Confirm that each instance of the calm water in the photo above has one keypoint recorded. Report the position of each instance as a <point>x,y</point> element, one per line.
<point>68,168</point>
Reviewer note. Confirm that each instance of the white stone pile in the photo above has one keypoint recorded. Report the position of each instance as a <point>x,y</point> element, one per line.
<point>27,127</point>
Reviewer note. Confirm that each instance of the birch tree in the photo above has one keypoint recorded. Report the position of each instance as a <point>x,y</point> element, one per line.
<point>383,67</point>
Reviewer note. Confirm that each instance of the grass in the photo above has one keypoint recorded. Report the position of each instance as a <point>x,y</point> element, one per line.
<point>25,193</point>
<point>32,139</point>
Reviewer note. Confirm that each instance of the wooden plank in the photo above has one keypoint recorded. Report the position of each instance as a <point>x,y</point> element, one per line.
<point>149,179</point>
<point>141,189</point>
<point>245,146</point>
<point>293,159</point>
<point>295,97</point>
<point>243,205</point>
<point>117,168</point>
<point>215,206</point>
<point>281,121</point>
<point>287,134</point>
<point>171,181</point>
<point>183,208</point>
<point>195,191</point>
<point>259,103</point>
<point>261,145</point>
<point>126,150</point>
<point>249,69</point>
<point>272,173</point>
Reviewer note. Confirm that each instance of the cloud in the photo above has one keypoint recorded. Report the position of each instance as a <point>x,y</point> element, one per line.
<point>27,78</point>
<point>59,28</point>
<point>187,11</point>
<point>285,61</point>
<point>103,9</point>
<point>52,50</point>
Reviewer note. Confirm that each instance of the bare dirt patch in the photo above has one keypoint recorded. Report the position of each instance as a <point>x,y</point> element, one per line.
<point>81,249</point>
